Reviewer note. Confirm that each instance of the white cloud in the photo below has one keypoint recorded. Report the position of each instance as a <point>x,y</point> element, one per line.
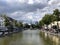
<point>58,4</point>
<point>22,1</point>
<point>29,15</point>
<point>34,16</point>
<point>30,2</point>
<point>51,2</point>
<point>15,1</point>
<point>25,1</point>
<point>28,9</point>
<point>37,1</point>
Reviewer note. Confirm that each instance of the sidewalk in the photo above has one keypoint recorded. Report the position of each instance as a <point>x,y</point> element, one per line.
<point>51,33</point>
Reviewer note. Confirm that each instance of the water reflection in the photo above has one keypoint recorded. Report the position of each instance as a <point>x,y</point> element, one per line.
<point>9,39</point>
<point>28,37</point>
<point>31,37</point>
<point>50,39</point>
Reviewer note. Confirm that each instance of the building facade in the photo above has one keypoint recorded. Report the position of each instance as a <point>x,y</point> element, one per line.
<point>54,24</point>
<point>2,24</point>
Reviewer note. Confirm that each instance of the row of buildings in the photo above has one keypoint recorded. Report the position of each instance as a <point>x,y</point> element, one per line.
<point>5,20</point>
<point>53,27</point>
<point>54,24</point>
<point>2,24</point>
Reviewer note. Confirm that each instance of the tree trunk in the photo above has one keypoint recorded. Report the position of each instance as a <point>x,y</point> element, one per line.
<point>47,27</point>
<point>51,25</point>
<point>57,26</point>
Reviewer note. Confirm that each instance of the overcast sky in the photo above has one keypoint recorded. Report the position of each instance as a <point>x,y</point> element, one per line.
<point>28,10</point>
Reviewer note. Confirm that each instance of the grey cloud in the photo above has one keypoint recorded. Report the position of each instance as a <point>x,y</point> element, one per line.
<point>20,7</point>
<point>26,8</point>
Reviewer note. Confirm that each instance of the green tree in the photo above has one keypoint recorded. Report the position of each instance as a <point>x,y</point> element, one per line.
<point>52,19</point>
<point>46,20</point>
<point>56,13</point>
<point>20,24</point>
<point>8,24</point>
<point>26,26</point>
<point>15,23</point>
<point>41,23</point>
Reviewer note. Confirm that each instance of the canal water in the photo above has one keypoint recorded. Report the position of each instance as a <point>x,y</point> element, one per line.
<point>27,37</point>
